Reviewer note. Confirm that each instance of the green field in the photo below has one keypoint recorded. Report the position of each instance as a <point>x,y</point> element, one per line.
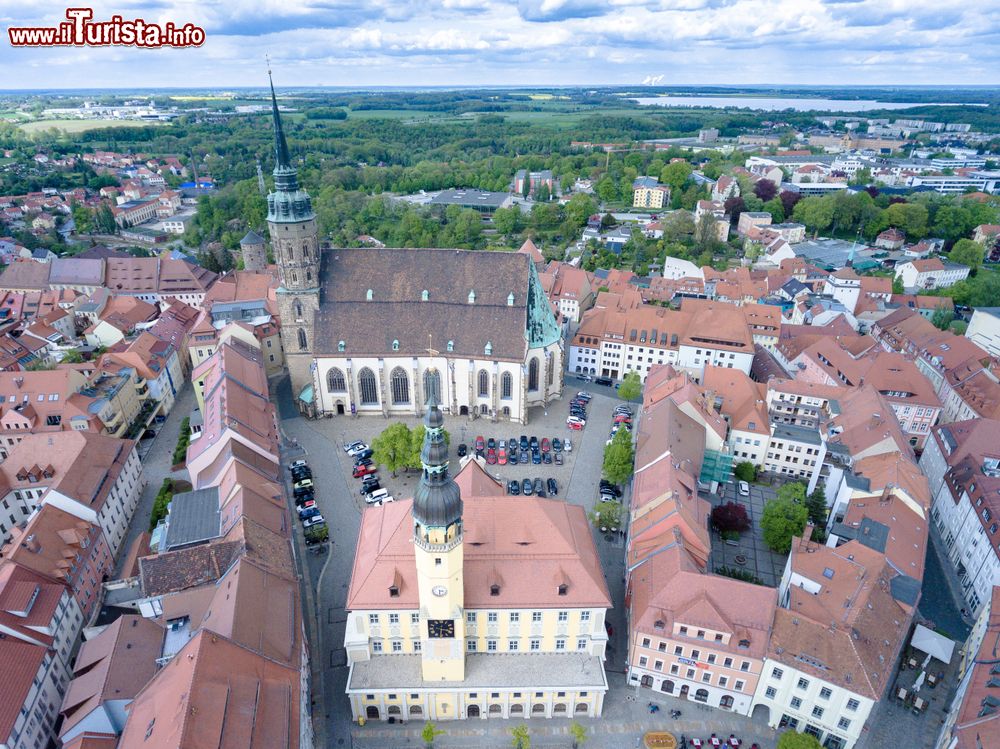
<point>414,115</point>
<point>80,126</point>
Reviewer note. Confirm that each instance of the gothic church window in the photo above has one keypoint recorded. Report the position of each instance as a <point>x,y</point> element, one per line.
<point>303,343</point>
<point>533,374</point>
<point>432,385</point>
<point>335,381</point>
<point>506,386</point>
<point>484,383</point>
<point>368,386</point>
<point>400,386</point>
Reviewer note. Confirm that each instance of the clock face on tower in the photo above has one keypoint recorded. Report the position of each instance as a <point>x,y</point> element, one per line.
<point>441,628</point>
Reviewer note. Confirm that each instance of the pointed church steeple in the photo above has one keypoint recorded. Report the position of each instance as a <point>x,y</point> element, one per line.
<point>437,502</point>
<point>280,144</point>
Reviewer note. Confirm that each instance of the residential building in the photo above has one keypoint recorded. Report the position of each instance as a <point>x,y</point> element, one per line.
<point>984,329</point>
<point>41,401</point>
<point>513,627</point>
<point>93,477</point>
<point>750,219</point>
<point>41,622</point>
<point>569,289</point>
<point>66,548</point>
<point>932,273</point>
<point>535,181</point>
<point>962,465</point>
<point>844,286</point>
<point>119,319</point>
<point>725,187</point>
<point>743,402</point>
<point>157,368</point>
<point>647,192</point>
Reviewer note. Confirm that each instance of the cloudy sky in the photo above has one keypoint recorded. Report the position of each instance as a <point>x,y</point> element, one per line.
<point>533,42</point>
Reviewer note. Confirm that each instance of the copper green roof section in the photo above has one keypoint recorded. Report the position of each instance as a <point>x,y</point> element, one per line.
<point>288,203</point>
<point>543,329</point>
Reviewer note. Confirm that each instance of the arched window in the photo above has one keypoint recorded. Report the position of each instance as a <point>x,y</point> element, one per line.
<point>726,702</point>
<point>368,386</point>
<point>484,383</point>
<point>550,370</point>
<point>701,695</point>
<point>335,381</point>
<point>303,343</point>
<point>667,686</point>
<point>506,386</point>
<point>533,374</point>
<point>400,386</point>
<point>432,385</point>
<point>298,310</point>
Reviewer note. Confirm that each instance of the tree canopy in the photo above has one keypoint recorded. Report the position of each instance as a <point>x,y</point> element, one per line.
<point>783,519</point>
<point>618,457</point>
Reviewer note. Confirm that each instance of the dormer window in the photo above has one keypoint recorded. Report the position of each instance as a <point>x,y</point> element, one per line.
<point>394,591</point>
<point>562,589</point>
<point>395,344</point>
<point>451,345</point>
<point>425,295</point>
<point>341,346</point>
<point>659,624</point>
<point>510,299</point>
<point>494,590</point>
<point>489,348</point>
<point>472,297</point>
<point>369,295</point>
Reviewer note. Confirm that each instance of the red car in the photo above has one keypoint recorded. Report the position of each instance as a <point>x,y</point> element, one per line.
<point>546,445</point>
<point>623,419</point>
<point>575,426</point>
<point>480,444</point>
<point>364,470</point>
<point>491,456</point>
<point>502,456</point>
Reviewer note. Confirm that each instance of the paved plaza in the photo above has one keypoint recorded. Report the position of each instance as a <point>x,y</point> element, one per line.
<point>749,553</point>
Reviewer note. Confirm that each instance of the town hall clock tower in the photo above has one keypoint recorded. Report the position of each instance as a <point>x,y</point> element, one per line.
<point>437,537</point>
<point>295,242</point>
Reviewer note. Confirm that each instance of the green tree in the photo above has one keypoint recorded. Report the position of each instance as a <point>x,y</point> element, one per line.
<point>795,740</point>
<point>676,174</point>
<point>816,505</point>
<point>83,218</point>
<point>631,387</point>
<point>745,471</point>
<point>580,208</point>
<point>706,236</point>
<point>579,734</point>
<point>520,738</point>
<point>911,218</point>
<point>815,212</point>
<point>393,448</point>
<point>942,318</point>
<point>967,252</point>
<point>429,734</point>
<point>776,209</point>
<point>506,220</point>
<point>793,490</point>
<point>607,190</point>
<point>618,457</point>
<point>783,519</point>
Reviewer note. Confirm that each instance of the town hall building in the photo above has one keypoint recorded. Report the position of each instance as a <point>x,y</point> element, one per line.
<point>381,330</point>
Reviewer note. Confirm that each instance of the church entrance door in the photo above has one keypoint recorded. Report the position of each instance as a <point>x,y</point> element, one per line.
<point>340,408</point>
<point>463,411</point>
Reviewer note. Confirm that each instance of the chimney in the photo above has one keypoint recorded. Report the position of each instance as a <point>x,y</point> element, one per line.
<point>31,543</point>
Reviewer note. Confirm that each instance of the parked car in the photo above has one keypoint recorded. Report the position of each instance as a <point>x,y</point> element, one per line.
<point>533,443</point>
<point>313,521</point>
<point>606,381</point>
<point>306,505</point>
<point>512,455</point>
<point>361,471</point>
<point>522,457</point>
<point>623,410</point>
<point>502,455</point>
<point>546,445</point>
<point>301,475</point>
<point>552,486</point>
<point>357,448</point>
<point>296,464</point>
<point>384,500</point>
<point>557,444</point>
<point>502,445</point>
<point>568,445</point>
<point>463,450</point>
<point>491,456</point>
<point>576,420</point>
<point>584,394</point>
<point>744,488</point>
<point>480,443</point>
<point>311,512</point>
<point>623,419</point>
<point>547,458</point>
<point>536,457</point>
<point>512,443</point>
<point>608,488</point>
<point>366,455</point>
<point>356,445</point>
<point>303,484</point>
<point>369,488</point>
<point>513,487</point>
<point>576,426</point>
<point>526,487</point>
<point>558,458</point>
<point>301,495</point>
<point>585,377</point>
<point>539,488</point>
<point>491,443</point>
<point>376,496</point>
<point>371,478</point>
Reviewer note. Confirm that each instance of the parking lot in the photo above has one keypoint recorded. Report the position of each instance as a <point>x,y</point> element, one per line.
<point>749,553</point>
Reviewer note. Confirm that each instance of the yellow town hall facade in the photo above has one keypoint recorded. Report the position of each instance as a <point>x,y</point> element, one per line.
<point>467,603</point>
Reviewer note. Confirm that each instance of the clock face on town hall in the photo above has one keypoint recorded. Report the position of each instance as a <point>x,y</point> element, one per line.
<point>441,628</point>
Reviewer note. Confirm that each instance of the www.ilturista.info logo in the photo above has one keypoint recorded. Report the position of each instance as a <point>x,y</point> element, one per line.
<point>81,31</point>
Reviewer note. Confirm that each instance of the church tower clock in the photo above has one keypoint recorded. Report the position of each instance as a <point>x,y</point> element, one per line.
<point>295,242</point>
<point>437,537</point>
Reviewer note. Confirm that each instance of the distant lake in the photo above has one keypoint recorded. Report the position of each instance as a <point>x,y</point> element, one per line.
<point>777,104</point>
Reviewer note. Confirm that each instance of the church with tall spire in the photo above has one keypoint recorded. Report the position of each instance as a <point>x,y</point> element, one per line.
<point>466,603</point>
<point>381,331</point>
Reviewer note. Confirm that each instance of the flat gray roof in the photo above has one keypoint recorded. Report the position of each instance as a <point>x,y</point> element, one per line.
<point>470,198</point>
<point>796,434</point>
<point>485,671</point>
<point>194,517</point>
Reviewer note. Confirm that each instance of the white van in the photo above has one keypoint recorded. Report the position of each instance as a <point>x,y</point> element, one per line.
<point>376,496</point>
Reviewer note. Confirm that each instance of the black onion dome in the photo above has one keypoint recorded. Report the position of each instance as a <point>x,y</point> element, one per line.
<point>438,500</point>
